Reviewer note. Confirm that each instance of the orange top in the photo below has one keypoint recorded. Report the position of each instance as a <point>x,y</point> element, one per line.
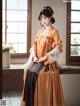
<point>43,43</point>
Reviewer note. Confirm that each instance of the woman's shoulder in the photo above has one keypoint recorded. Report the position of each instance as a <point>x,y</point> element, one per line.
<point>54,32</point>
<point>39,31</point>
<point>54,29</point>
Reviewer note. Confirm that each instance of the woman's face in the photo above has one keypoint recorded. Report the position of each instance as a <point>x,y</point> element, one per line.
<point>45,20</point>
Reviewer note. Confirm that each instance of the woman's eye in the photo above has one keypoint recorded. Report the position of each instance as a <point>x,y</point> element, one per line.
<point>44,17</point>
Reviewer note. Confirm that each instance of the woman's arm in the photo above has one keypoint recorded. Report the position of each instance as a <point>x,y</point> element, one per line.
<point>53,55</point>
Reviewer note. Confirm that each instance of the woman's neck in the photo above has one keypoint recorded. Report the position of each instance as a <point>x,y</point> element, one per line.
<point>45,29</point>
<point>48,26</point>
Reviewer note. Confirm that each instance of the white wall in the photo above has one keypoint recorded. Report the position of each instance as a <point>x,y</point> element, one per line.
<point>71,89</point>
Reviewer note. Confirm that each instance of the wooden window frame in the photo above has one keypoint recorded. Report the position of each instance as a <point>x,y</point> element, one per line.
<point>1,79</point>
<point>70,60</point>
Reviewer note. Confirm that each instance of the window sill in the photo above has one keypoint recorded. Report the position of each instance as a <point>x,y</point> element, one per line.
<point>63,69</point>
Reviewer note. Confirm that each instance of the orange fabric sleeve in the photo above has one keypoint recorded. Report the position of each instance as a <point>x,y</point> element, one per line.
<point>57,41</point>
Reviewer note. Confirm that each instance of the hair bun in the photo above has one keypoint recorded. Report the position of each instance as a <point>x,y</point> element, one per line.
<point>49,9</point>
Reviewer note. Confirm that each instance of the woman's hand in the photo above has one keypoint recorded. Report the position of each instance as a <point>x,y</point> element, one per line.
<point>43,58</point>
<point>35,59</point>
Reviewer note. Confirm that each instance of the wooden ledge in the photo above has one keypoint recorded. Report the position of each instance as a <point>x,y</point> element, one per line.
<point>63,68</point>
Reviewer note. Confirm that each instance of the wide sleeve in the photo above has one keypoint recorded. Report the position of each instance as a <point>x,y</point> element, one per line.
<point>53,55</point>
<point>32,51</point>
<point>33,48</point>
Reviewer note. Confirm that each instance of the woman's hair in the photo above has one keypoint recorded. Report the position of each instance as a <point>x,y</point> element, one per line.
<point>48,12</point>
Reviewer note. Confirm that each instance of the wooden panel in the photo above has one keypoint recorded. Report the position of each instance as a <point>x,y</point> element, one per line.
<point>12,80</point>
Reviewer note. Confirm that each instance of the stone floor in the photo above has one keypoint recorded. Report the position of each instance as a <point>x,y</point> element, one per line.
<point>14,99</point>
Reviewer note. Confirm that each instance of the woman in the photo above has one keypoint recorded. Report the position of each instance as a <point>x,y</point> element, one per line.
<point>47,47</point>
